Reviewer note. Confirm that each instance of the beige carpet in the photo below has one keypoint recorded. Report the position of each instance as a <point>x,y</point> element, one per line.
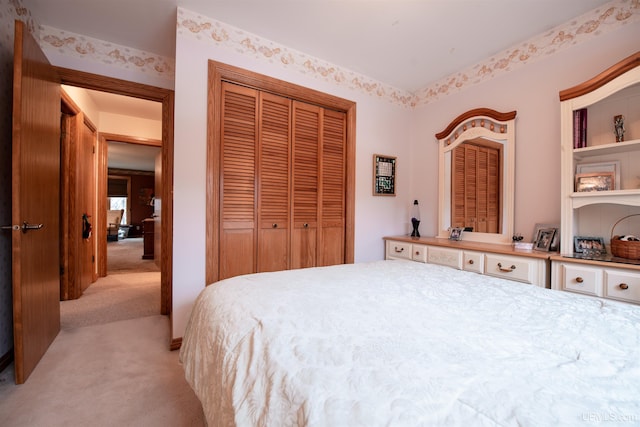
<point>125,256</point>
<point>109,365</point>
<point>115,374</point>
<point>115,297</point>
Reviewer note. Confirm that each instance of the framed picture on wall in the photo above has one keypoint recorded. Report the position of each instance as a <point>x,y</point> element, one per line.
<point>384,175</point>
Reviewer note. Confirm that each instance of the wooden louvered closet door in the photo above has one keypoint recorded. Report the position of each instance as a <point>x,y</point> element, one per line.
<point>273,183</point>
<point>476,181</point>
<point>282,186</point>
<point>238,192</point>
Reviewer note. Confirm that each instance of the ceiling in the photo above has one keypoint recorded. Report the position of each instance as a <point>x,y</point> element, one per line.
<point>407,44</point>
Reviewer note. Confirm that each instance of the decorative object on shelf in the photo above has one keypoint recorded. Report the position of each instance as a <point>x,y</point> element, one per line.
<point>625,246</point>
<point>598,181</point>
<point>618,126</point>
<point>589,246</point>
<point>555,241</point>
<point>608,166</point>
<point>415,219</point>
<point>384,175</point>
<point>455,233</point>
<point>580,128</point>
<point>544,239</point>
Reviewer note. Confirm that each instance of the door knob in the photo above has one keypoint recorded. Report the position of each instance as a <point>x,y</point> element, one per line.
<point>24,227</point>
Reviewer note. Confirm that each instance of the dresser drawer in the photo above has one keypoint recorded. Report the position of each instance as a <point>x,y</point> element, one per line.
<point>419,253</point>
<point>512,268</point>
<point>473,261</point>
<point>445,256</point>
<point>578,278</point>
<point>622,285</point>
<point>398,250</point>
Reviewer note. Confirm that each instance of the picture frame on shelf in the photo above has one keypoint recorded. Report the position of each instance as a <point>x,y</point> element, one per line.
<point>384,175</point>
<point>544,239</point>
<point>455,233</point>
<point>555,241</point>
<point>599,167</point>
<point>595,181</point>
<point>589,245</point>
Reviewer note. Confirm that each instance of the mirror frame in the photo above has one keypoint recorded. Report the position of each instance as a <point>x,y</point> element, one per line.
<point>478,123</point>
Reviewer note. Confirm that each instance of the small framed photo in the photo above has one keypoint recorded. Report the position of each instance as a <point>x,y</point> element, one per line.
<point>544,239</point>
<point>455,233</point>
<point>596,181</point>
<point>582,244</point>
<point>609,166</point>
<point>384,175</point>
<point>555,242</point>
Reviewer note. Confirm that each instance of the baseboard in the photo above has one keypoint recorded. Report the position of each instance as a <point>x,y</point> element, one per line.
<point>7,358</point>
<point>175,344</point>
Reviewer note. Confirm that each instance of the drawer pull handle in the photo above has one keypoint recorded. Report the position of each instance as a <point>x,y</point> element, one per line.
<point>398,251</point>
<point>470,262</point>
<point>506,270</point>
<point>623,286</point>
<point>579,279</point>
<point>417,252</point>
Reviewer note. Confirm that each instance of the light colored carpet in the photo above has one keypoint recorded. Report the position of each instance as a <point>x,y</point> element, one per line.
<point>110,365</point>
<point>115,374</point>
<point>125,256</point>
<point>111,298</point>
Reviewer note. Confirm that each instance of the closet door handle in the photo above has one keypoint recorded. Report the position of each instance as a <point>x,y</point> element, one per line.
<point>305,225</point>
<point>274,225</point>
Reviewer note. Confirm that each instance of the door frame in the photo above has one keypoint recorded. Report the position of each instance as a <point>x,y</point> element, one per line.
<point>166,97</point>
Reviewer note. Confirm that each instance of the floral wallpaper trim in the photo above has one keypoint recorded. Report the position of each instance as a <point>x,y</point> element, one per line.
<point>592,24</point>
<point>219,34</point>
<point>71,44</point>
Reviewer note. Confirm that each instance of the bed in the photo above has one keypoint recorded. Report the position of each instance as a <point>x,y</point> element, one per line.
<point>401,343</point>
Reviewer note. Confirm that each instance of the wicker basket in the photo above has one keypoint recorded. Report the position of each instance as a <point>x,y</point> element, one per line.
<point>622,248</point>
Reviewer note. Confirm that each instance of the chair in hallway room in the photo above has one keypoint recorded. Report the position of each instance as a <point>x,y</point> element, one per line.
<point>114,218</point>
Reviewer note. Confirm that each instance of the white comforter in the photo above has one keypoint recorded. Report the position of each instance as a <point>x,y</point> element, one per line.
<point>401,343</point>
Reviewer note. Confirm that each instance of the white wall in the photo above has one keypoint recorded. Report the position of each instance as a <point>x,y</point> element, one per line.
<point>533,92</point>
<point>381,128</point>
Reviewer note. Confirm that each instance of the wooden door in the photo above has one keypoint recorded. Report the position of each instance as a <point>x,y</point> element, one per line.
<point>331,244</point>
<point>476,184</point>
<point>157,211</point>
<point>306,140</point>
<point>273,183</point>
<point>238,188</point>
<point>86,204</point>
<point>35,198</point>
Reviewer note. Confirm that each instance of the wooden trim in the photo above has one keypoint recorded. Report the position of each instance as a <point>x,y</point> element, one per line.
<point>131,139</point>
<point>166,97</point>
<point>219,72</point>
<point>487,112</point>
<point>68,105</point>
<point>176,343</point>
<point>603,78</point>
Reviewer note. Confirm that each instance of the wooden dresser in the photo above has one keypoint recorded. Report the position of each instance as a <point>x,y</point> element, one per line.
<point>482,258</point>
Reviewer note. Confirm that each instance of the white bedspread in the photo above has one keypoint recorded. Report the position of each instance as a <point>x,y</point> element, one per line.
<point>401,343</point>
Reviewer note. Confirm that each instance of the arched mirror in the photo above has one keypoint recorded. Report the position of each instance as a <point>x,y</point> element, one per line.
<point>477,176</point>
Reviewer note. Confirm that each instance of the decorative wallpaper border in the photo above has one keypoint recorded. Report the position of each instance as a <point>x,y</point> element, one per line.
<point>219,34</point>
<point>592,24</point>
<point>79,46</point>
<point>597,22</point>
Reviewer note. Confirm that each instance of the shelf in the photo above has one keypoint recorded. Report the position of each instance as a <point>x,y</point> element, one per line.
<point>613,148</point>
<point>619,197</point>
